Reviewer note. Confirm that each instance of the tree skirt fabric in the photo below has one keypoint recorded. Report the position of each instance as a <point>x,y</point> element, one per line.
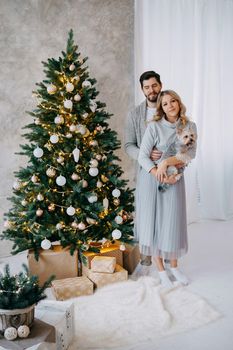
<point>127,313</point>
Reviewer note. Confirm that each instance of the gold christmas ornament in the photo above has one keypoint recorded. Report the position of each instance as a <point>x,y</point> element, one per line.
<point>50,172</point>
<point>104,178</point>
<point>78,211</point>
<point>116,201</point>
<point>51,207</point>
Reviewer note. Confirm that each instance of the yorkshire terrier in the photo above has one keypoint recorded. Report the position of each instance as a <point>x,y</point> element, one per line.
<point>186,140</point>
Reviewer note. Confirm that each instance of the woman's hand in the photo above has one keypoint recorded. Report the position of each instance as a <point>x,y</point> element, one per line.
<point>161,173</point>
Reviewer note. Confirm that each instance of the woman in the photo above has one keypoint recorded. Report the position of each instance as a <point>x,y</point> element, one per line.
<point>161,225</point>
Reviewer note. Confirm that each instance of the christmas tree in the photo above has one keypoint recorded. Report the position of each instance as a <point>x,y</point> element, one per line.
<point>71,190</point>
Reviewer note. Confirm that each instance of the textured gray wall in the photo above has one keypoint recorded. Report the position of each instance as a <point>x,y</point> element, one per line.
<point>33,30</point>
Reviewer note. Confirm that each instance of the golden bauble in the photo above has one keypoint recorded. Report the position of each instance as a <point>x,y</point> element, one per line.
<point>116,201</point>
<point>104,178</point>
<point>78,211</point>
<point>51,207</point>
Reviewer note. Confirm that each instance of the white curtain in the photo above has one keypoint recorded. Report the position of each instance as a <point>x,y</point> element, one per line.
<point>190,44</point>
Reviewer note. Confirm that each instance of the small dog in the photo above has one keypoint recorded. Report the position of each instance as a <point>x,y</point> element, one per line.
<point>186,140</point>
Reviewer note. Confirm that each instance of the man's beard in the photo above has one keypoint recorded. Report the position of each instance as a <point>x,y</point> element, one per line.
<point>152,98</point>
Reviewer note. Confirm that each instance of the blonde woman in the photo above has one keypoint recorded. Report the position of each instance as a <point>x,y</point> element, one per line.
<point>161,216</point>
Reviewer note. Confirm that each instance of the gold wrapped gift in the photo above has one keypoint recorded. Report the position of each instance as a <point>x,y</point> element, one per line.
<point>112,250</point>
<point>57,261</point>
<point>105,264</point>
<point>71,287</point>
<point>101,279</point>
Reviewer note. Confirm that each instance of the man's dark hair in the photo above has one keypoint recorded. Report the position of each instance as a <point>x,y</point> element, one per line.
<point>149,74</point>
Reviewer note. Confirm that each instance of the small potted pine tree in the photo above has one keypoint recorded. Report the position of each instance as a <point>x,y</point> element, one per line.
<point>18,296</point>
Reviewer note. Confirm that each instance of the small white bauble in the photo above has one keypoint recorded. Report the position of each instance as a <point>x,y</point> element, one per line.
<point>16,185</point>
<point>59,226</point>
<point>105,203</point>
<point>86,84</point>
<point>116,234</point>
<point>23,331</point>
<point>93,143</point>
<point>75,176</point>
<point>122,247</point>
<point>116,193</point>
<point>68,104</point>
<point>74,224</point>
<point>98,157</point>
<point>76,77</point>
<point>46,244</point>
<point>60,180</point>
<point>50,172</point>
<point>93,106</point>
<point>81,226</point>
<point>40,197</point>
<point>7,224</point>
<point>76,154</point>
<point>84,115</point>
<point>51,89</point>
<point>37,121</point>
<point>118,219</point>
<point>77,97</point>
<point>24,202</point>
<point>84,183</point>
<point>10,333</point>
<point>54,138</point>
<point>69,87</point>
<point>60,159</point>
<point>94,163</point>
<point>69,135</point>
<point>93,171</point>
<point>38,152</point>
<point>72,67</point>
<point>34,179</point>
<point>91,221</point>
<point>70,210</point>
<point>59,120</point>
<point>93,198</point>
<point>72,127</point>
<point>39,212</point>
<point>99,184</point>
<point>81,129</point>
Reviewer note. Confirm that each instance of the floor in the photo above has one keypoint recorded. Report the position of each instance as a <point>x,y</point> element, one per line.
<point>209,265</point>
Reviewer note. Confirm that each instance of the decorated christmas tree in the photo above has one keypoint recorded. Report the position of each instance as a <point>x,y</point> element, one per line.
<point>71,190</point>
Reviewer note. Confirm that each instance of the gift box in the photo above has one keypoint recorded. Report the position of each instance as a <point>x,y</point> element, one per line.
<point>71,287</point>
<point>105,264</point>
<point>131,257</point>
<point>101,279</point>
<point>57,261</point>
<point>112,250</point>
<point>61,316</point>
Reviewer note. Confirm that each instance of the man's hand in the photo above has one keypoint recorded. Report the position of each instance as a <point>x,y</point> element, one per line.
<point>155,154</point>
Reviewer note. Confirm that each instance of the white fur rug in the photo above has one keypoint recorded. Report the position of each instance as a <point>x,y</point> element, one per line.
<point>127,313</point>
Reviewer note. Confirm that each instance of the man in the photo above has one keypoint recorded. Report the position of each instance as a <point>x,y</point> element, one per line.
<point>137,121</point>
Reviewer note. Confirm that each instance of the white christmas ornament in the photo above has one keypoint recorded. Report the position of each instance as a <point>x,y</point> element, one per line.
<point>81,226</point>
<point>98,157</point>
<point>68,135</point>
<point>84,183</point>
<point>93,106</point>
<point>46,244</point>
<point>70,210</point>
<point>84,115</point>
<point>91,221</point>
<point>93,171</point>
<point>93,143</point>
<point>37,121</point>
<point>99,184</point>
<point>68,104</point>
<point>73,127</point>
<point>72,67</point>
<point>40,197</point>
<point>39,212</point>
<point>50,172</point>
<point>69,87</point>
<point>93,198</point>
<point>122,247</point>
<point>16,185</point>
<point>86,84</point>
<point>24,202</point>
<point>54,138</point>
<point>74,224</point>
<point>34,179</point>
<point>38,152</point>
<point>76,154</point>
<point>10,333</point>
<point>105,203</point>
<point>77,97</point>
<point>60,159</point>
<point>76,78</point>
<point>60,180</point>
<point>51,89</point>
<point>75,176</point>
<point>118,219</point>
<point>81,129</point>
<point>94,163</point>
<point>116,193</point>
<point>116,234</point>
<point>23,331</point>
<point>59,120</point>
<point>59,226</point>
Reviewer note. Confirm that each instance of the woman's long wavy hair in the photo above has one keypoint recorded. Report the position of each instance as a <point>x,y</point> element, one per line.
<point>159,110</point>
